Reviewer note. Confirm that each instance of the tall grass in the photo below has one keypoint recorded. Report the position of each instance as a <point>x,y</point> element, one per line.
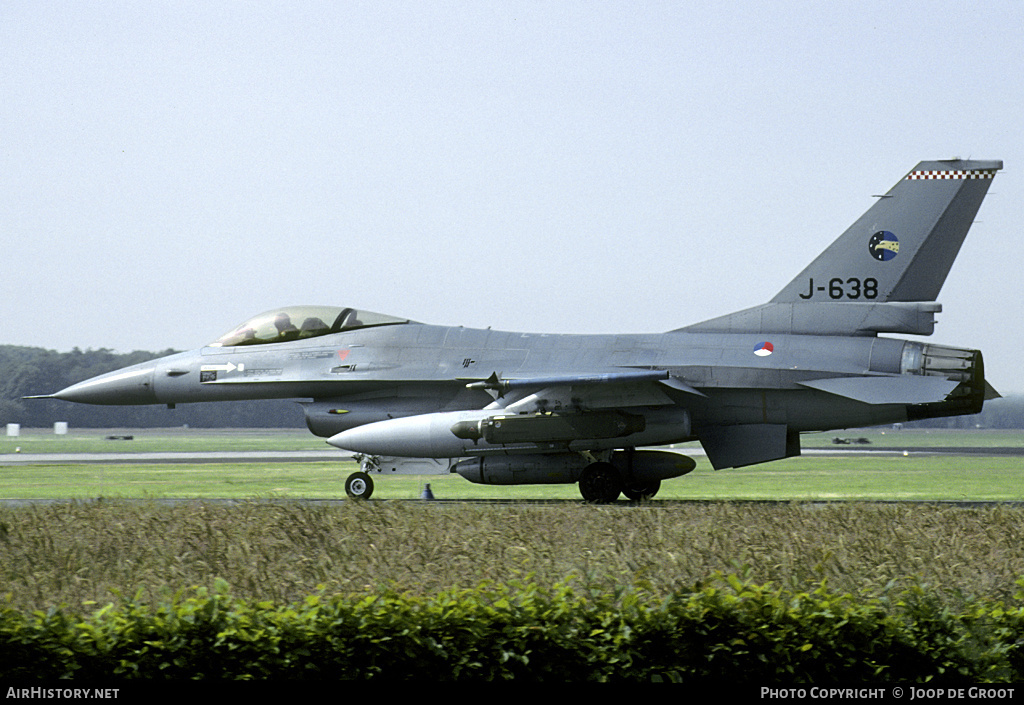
<point>82,553</point>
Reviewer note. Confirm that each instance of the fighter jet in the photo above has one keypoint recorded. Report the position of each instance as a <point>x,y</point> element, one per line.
<point>510,408</point>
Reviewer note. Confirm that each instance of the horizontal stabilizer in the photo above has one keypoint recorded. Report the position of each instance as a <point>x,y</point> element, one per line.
<point>887,390</point>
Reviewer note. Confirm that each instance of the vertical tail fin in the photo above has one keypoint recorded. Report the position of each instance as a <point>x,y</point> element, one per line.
<point>903,247</point>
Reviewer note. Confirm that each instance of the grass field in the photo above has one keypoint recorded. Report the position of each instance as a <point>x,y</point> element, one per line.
<point>863,476</point>
<point>86,554</point>
<point>81,553</point>
<point>889,478</point>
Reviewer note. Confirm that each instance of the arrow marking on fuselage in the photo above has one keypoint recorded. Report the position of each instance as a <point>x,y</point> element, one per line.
<point>229,367</point>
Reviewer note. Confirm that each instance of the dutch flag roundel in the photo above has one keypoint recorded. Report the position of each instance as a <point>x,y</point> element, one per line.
<point>764,349</point>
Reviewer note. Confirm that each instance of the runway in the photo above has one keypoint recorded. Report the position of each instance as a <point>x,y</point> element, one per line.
<point>161,458</point>
<point>333,455</point>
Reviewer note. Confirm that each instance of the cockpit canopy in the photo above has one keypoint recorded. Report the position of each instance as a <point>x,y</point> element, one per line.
<point>300,322</point>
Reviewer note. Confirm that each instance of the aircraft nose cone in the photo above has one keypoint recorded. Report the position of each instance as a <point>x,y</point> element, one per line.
<point>132,385</point>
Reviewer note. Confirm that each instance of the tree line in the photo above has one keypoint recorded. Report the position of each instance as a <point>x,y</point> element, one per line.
<point>27,371</point>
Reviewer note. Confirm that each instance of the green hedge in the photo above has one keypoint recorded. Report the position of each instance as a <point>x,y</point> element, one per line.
<point>728,629</point>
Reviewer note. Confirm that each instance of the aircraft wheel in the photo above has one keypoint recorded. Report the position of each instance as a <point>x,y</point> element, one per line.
<point>359,486</point>
<point>641,492</point>
<point>600,483</point>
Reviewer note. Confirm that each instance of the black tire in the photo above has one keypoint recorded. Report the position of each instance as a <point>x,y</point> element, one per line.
<point>600,483</point>
<point>638,493</point>
<point>359,486</point>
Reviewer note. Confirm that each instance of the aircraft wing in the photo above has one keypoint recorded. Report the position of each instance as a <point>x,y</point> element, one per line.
<point>628,388</point>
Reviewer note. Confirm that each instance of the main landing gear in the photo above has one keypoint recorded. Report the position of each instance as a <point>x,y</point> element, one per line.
<point>638,493</point>
<point>601,483</point>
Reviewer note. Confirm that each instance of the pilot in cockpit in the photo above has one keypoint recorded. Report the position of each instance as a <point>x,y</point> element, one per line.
<point>286,330</point>
<point>312,327</point>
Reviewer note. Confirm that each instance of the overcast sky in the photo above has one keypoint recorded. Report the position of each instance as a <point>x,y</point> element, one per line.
<point>168,169</point>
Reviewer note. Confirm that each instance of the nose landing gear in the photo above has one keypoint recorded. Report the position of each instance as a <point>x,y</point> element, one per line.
<point>359,485</point>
